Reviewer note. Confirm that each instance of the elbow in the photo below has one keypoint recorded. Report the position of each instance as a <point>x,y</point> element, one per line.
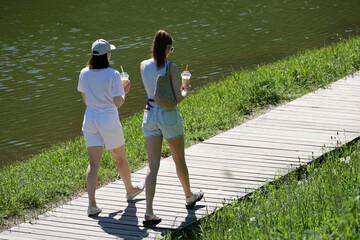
<point>119,104</point>
<point>119,101</point>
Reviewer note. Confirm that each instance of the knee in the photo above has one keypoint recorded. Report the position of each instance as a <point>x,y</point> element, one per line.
<point>153,170</point>
<point>94,165</point>
<point>180,160</point>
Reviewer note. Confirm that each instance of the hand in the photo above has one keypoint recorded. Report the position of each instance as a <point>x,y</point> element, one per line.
<point>126,86</point>
<point>184,90</point>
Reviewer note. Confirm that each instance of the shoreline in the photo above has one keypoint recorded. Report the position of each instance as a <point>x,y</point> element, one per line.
<point>57,174</point>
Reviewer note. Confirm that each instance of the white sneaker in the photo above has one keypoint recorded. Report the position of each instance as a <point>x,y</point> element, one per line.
<point>93,210</point>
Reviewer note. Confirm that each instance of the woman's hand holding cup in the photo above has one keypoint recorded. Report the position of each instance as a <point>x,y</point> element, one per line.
<point>125,81</point>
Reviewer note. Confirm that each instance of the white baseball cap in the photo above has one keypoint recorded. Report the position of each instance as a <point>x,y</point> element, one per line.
<point>101,46</point>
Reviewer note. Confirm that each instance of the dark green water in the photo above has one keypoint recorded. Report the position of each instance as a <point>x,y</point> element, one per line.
<point>44,45</point>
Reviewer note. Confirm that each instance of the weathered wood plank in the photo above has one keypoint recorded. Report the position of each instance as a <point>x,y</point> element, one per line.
<point>233,151</point>
<point>266,137</point>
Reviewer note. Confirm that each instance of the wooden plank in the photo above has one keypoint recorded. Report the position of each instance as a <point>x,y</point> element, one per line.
<point>336,117</point>
<point>321,106</point>
<point>327,122</point>
<point>316,121</point>
<point>252,126</point>
<point>344,98</point>
<point>278,140</point>
<point>327,137</point>
<point>262,136</point>
<point>329,102</point>
<point>351,115</point>
<point>317,109</point>
<point>98,227</point>
<point>101,224</point>
<point>233,151</point>
<point>282,122</point>
<point>7,235</point>
<point>257,145</point>
<point>127,217</point>
<point>35,230</point>
<point>135,221</point>
<point>355,116</point>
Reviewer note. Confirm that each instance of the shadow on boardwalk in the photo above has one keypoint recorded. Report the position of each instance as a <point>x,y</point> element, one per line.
<point>127,226</point>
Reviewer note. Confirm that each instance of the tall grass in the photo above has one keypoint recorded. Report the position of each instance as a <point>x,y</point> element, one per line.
<point>59,172</point>
<point>321,203</point>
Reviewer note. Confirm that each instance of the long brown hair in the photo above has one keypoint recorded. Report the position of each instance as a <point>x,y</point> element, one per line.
<point>98,62</point>
<point>161,41</point>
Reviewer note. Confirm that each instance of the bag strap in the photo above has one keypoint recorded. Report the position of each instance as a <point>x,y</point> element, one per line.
<point>169,72</point>
<point>168,69</point>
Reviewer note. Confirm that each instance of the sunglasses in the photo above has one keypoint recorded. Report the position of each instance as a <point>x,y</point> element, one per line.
<point>172,48</point>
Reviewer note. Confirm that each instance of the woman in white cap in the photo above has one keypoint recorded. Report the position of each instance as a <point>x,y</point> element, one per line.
<point>159,123</point>
<point>103,93</point>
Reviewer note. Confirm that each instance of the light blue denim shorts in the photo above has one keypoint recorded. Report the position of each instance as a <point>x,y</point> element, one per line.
<point>101,128</point>
<point>160,122</point>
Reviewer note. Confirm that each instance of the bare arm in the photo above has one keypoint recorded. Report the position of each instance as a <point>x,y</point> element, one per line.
<point>84,97</point>
<point>141,73</point>
<point>119,100</point>
<point>179,95</point>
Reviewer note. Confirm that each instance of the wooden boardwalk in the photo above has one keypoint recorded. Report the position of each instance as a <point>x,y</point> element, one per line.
<point>227,166</point>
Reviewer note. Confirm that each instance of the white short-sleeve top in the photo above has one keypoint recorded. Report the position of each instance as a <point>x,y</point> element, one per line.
<point>100,86</point>
<point>150,74</point>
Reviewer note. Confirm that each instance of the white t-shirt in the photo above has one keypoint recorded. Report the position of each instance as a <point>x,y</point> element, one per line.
<point>100,86</point>
<point>150,74</point>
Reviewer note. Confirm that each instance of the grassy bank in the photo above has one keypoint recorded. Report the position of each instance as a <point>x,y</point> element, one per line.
<point>59,172</point>
<point>323,202</point>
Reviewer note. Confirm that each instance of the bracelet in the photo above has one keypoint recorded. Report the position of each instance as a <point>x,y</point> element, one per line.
<point>184,88</point>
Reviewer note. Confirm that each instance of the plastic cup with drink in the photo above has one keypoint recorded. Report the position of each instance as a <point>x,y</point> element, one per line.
<point>185,77</point>
<point>124,76</point>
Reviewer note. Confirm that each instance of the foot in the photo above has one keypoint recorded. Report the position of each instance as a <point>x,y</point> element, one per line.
<point>140,187</point>
<point>151,219</point>
<point>191,201</point>
<point>93,211</point>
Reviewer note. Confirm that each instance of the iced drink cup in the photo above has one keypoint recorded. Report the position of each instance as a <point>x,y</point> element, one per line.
<point>124,77</point>
<point>185,78</point>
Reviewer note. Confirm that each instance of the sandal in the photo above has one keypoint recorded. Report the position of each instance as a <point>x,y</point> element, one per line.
<point>131,196</point>
<point>153,221</point>
<point>92,211</point>
<point>197,196</point>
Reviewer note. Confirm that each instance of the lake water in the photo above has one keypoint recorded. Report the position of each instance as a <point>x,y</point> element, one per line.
<point>44,45</point>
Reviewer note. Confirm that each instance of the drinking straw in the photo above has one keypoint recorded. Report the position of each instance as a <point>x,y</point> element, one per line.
<point>186,70</point>
<point>122,70</point>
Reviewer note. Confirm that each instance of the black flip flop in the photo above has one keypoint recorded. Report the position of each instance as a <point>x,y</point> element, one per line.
<point>153,221</point>
<point>194,202</point>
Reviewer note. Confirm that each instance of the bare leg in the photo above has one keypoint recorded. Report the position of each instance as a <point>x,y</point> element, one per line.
<point>153,146</point>
<point>95,154</point>
<point>123,168</point>
<point>178,155</point>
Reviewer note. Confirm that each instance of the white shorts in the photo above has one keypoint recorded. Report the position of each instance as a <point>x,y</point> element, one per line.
<point>100,127</point>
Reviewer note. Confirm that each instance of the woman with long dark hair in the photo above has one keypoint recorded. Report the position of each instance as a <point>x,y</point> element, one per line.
<point>159,123</point>
<point>103,93</point>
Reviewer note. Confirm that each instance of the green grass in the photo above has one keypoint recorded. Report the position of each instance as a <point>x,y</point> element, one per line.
<point>323,202</point>
<point>58,173</point>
